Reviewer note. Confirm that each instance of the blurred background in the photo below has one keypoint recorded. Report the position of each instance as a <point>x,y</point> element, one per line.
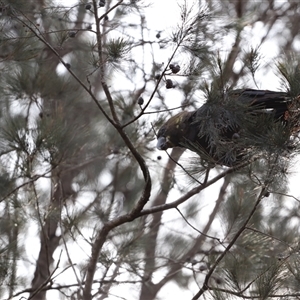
<point>90,209</point>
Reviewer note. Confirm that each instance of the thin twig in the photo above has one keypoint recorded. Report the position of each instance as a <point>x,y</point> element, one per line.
<point>200,232</point>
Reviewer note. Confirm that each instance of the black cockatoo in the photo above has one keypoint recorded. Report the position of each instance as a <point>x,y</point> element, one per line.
<point>228,130</point>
